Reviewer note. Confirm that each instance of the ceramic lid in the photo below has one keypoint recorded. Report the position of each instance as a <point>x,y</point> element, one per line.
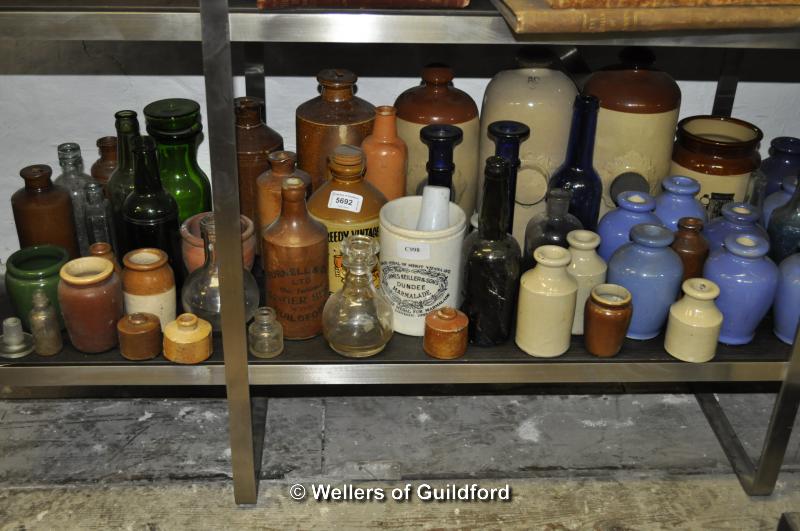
<point>681,185</point>
<point>634,90</point>
<point>139,323</point>
<point>748,245</point>
<point>700,288</point>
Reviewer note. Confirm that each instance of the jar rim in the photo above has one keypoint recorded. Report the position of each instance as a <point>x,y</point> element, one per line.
<point>138,259</point>
<point>757,134</point>
<point>603,293</point>
<point>86,270</point>
<point>16,261</point>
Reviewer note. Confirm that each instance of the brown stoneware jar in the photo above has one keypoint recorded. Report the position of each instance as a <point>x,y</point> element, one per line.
<point>104,250</point>
<point>606,318</point>
<point>194,250</point>
<point>107,163</point>
<point>283,164</point>
<point>691,246</point>
<point>445,333</point>
<point>43,211</point>
<point>187,340</point>
<point>139,336</point>
<point>295,263</point>
<point>90,296</point>
<point>254,142</point>
<point>148,284</point>
<point>386,154</point>
<point>337,116</point>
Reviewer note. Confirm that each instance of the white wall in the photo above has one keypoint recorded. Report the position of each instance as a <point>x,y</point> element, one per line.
<point>39,112</point>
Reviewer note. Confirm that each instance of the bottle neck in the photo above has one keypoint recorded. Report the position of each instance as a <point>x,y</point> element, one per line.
<point>385,126</point>
<point>495,209</point>
<point>209,240</point>
<point>557,207</point>
<point>580,149</point>
<point>71,167</point>
<point>794,201</point>
<point>293,208</point>
<point>337,94</point>
<point>508,148</point>
<point>108,153</point>
<point>146,179</point>
<point>552,273</point>
<point>581,254</point>
<point>125,150</point>
<point>39,183</point>
<point>440,164</point>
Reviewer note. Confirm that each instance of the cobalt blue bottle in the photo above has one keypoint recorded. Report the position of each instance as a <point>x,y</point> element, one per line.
<point>736,218</point>
<point>678,201</point>
<point>507,136</point>
<point>615,227</point>
<point>787,299</point>
<point>441,140</point>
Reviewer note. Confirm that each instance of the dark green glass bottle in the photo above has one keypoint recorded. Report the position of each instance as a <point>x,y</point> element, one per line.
<point>120,184</point>
<point>176,127</point>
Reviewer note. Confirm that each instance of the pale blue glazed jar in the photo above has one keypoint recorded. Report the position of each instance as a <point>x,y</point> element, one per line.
<point>615,227</point>
<point>778,199</point>
<point>678,201</point>
<point>737,218</point>
<point>652,272</point>
<point>747,281</point>
<point>787,299</point>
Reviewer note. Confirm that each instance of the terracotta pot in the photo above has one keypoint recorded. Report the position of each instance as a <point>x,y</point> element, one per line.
<point>194,251</point>
<point>148,284</point>
<point>445,333</point>
<point>386,154</point>
<point>187,340</point>
<point>139,336</point>
<point>606,318</point>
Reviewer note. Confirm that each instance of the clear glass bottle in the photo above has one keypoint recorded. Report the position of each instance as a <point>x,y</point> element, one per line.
<point>200,294</point>
<point>98,216</point>
<point>45,327</point>
<point>550,227</point>
<point>357,320</point>
<point>265,334</point>
<point>75,180</point>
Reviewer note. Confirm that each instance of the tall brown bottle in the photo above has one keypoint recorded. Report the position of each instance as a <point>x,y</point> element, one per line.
<point>296,265</point>
<point>268,187</point>
<point>333,118</point>
<point>43,211</point>
<point>386,154</point>
<point>107,163</point>
<point>346,205</point>
<point>691,246</point>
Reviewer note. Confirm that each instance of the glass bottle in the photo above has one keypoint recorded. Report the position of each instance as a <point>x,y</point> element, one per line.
<point>120,184</point>
<point>45,327</point>
<point>783,161</point>
<point>98,216</point>
<point>550,227</point>
<point>441,140</point>
<point>104,166</point>
<point>492,262</point>
<point>201,293</point>
<point>357,319</point>
<point>73,179</point>
<point>265,334</point>
<point>508,135</point>
<point>784,229</point>
<point>577,174</point>
<point>176,126</point>
<point>15,343</point>
<point>283,164</point>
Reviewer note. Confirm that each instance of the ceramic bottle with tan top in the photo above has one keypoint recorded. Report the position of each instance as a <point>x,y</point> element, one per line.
<point>694,322</point>
<point>587,268</point>
<point>149,284</point>
<point>187,340</point>
<point>283,164</point>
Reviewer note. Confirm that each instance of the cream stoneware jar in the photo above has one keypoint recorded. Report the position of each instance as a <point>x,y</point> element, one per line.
<point>587,268</point>
<point>694,322</point>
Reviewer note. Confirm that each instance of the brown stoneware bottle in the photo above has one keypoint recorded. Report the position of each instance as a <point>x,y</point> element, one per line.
<point>283,164</point>
<point>691,246</point>
<point>187,340</point>
<point>148,284</point>
<point>139,336</point>
<point>296,265</point>
<point>107,163</point>
<point>90,296</point>
<point>104,250</point>
<point>445,333</point>
<point>606,318</point>
<point>43,211</point>
<point>387,155</point>
<point>337,116</point>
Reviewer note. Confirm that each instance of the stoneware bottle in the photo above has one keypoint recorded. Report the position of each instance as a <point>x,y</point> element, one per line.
<point>31,269</point>
<point>187,340</point>
<point>549,227</point>
<point>736,218</point>
<point>694,322</point>
<point>778,199</point>
<point>445,333</point>
<point>104,250</point>
<point>587,268</point>
<point>45,328</point>
<point>107,163</point>
<point>783,161</point>
<point>335,117</point>
<point>546,304</point>
<point>148,284</point>
<point>677,200</point>
<point>615,227</point>
<point>652,272</point>
<point>747,280</point>
<point>606,317</point>
<point>91,300</point>
<point>437,101</point>
<point>139,336</point>
<point>787,300</point>
<point>283,164</point>
<point>691,246</point>
<point>193,249</point>
<point>386,155</point>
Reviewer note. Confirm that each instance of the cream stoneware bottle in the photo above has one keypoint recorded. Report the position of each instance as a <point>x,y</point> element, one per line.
<point>694,322</point>
<point>587,268</point>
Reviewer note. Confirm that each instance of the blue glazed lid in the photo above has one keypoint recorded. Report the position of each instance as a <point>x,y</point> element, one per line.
<point>636,201</point>
<point>681,185</point>
<point>747,245</point>
<point>740,212</point>
<point>651,235</point>
<point>786,144</point>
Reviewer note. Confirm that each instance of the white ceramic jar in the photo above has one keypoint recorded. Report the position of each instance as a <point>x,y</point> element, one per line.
<point>587,268</point>
<point>694,322</point>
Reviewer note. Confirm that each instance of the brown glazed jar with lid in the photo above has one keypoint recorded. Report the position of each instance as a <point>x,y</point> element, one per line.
<point>337,116</point>
<point>445,333</point>
<point>283,164</point>
<point>107,163</point>
<point>691,246</point>
<point>606,318</point>
<point>720,153</point>
<point>139,336</point>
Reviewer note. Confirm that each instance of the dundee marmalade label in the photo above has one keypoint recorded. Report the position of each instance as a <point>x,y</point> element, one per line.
<point>337,233</point>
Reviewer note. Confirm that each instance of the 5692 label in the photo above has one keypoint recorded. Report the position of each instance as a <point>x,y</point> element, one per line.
<point>345,201</point>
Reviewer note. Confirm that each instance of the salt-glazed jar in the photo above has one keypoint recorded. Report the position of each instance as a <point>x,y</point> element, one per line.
<point>90,296</point>
<point>787,300</point>
<point>45,328</point>
<point>677,201</point>
<point>445,333</point>
<point>104,250</point>
<point>691,246</point>
<point>193,248</point>
<point>386,155</point>
<point>606,317</point>
<point>546,304</point>
<point>736,218</point>
<point>587,268</point>
<point>747,280</point>
<point>31,269</point>
<point>652,272</point>
<point>139,336</point>
<point>778,199</point>
<point>265,334</point>
<point>283,164</point>
<point>694,322</point>
<point>615,227</point>
<point>187,340</point>
<point>148,284</point>
<point>783,161</point>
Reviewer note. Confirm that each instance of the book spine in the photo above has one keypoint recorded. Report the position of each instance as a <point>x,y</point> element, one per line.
<point>374,4</point>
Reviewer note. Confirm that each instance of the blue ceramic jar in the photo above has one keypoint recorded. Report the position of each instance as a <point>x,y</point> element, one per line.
<point>747,281</point>
<point>737,218</point>
<point>615,227</point>
<point>783,161</point>
<point>778,199</point>
<point>652,272</point>
<point>678,201</point>
<point>787,299</point>
<point>30,269</point>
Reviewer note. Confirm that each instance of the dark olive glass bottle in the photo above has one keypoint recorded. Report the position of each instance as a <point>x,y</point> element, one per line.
<point>784,229</point>
<point>507,136</point>
<point>120,184</point>
<point>491,262</point>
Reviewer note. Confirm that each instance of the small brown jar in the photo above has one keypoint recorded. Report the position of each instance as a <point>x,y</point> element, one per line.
<point>187,340</point>
<point>445,333</point>
<point>139,336</point>
<point>283,164</point>
<point>606,318</point>
<point>691,246</point>
<point>104,250</point>
<point>107,163</point>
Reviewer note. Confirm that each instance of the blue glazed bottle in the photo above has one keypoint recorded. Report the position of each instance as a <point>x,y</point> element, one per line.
<point>678,201</point>
<point>787,299</point>
<point>778,199</point>
<point>783,160</point>
<point>615,227</point>
<point>747,280</point>
<point>507,136</point>
<point>652,272</point>
<point>737,218</point>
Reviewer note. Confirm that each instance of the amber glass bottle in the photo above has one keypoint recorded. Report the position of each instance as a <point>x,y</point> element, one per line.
<point>268,187</point>
<point>107,163</point>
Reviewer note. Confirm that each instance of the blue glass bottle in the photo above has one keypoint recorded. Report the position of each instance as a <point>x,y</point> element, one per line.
<point>615,227</point>
<point>577,173</point>
<point>507,136</point>
<point>652,272</point>
<point>441,140</point>
<point>678,201</point>
<point>747,280</point>
<point>737,218</point>
<point>787,299</point>
<point>783,160</point>
<point>784,228</point>
<point>778,199</point>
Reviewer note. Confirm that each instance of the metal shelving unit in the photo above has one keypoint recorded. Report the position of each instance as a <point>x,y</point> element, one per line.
<point>216,25</point>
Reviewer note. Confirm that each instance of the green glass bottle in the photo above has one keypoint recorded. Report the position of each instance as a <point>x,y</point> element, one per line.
<point>176,127</point>
<point>120,184</point>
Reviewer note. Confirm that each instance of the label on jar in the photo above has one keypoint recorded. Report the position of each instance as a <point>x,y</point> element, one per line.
<point>345,201</point>
<point>337,233</point>
<point>415,289</point>
<point>414,250</point>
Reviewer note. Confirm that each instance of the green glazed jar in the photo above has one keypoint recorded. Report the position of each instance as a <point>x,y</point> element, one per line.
<point>30,269</point>
<point>177,129</point>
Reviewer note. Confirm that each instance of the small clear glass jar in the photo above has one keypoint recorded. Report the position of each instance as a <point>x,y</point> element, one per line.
<point>265,334</point>
<point>45,327</point>
<point>357,320</point>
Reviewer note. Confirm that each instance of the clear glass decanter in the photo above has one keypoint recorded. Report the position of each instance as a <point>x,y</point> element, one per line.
<point>357,320</point>
<point>265,334</point>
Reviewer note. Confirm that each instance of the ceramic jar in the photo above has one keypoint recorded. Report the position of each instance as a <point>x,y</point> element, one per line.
<point>787,300</point>
<point>91,300</point>
<point>193,249</point>
<point>652,272</point>
<point>139,336</point>
<point>691,246</point>
<point>30,269</point>
<point>386,155</point>
<point>283,164</point>
<point>587,268</point>
<point>148,284</point>
<point>783,161</point>
<point>437,101</point>
<point>736,217</point>
<point>694,322</point>
<point>606,317</point>
<point>778,199</point>
<point>104,250</point>
<point>615,227</point>
<point>187,340</point>
<point>677,200</point>
<point>747,280</point>
<point>546,307</point>
<point>719,152</point>
<point>445,333</point>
